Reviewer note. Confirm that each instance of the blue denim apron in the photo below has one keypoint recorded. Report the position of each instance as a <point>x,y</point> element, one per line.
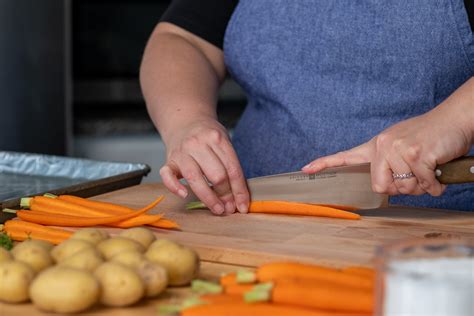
<point>323,76</point>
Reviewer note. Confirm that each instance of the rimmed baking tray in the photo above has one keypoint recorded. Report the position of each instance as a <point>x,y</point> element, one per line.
<point>25,174</point>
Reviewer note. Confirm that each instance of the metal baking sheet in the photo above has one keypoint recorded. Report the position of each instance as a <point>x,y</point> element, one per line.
<point>24,174</point>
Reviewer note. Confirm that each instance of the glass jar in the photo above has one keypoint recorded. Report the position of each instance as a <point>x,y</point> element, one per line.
<point>425,277</point>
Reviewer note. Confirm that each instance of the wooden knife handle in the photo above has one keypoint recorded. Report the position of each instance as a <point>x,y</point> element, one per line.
<point>460,170</point>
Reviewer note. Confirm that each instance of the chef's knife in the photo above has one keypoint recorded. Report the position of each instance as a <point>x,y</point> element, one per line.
<point>348,185</point>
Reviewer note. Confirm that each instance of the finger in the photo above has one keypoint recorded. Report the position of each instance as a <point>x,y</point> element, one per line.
<point>427,179</point>
<point>194,177</point>
<point>356,155</point>
<point>171,182</point>
<point>216,173</point>
<point>406,185</point>
<point>381,175</point>
<point>238,184</point>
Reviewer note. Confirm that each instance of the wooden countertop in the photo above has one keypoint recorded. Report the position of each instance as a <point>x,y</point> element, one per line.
<point>228,243</point>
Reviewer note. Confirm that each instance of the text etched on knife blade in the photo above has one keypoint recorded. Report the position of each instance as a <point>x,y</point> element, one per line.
<point>306,177</point>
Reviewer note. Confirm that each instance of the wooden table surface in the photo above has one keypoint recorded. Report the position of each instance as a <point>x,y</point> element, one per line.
<point>228,243</point>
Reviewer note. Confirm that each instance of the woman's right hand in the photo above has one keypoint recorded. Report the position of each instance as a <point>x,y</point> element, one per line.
<point>201,152</point>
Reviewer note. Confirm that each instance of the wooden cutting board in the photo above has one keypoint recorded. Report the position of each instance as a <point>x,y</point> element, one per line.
<point>253,239</point>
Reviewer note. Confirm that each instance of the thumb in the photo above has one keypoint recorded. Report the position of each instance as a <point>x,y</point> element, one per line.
<point>356,155</point>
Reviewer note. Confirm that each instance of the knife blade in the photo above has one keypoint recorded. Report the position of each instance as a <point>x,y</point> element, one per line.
<point>347,185</point>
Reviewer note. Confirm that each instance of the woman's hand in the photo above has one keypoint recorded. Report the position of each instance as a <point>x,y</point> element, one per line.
<point>415,146</point>
<point>202,152</point>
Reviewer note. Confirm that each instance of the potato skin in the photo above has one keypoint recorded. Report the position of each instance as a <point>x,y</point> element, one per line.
<point>154,277</point>
<point>87,259</point>
<point>90,234</point>
<point>69,247</point>
<point>129,258</point>
<point>35,256</point>
<point>15,279</point>
<point>46,245</point>
<point>140,234</point>
<point>181,263</point>
<point>64,290</point>
<point>115,245</point>
<point>121,285</point>
<point>5,255</point>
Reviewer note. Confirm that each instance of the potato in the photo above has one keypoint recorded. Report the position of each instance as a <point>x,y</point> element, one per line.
<point>5,255</point>
<point>34,255</point>
<point>87,259</point>
<point>69,247</point>
<point>110,247</point>
<point>15,279</point>
<point>64,290</point>
<point>46,245</point>
<point>181,263</point>
<point>140,234</point>
<point>129,258</point>
<point>121,285</point>
<point>154,277</point>
<point>90,234</point>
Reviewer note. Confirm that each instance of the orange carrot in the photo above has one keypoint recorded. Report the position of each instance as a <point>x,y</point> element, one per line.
<point>165,223</point>
<point>72,221</point>
<point>319,295</point>
<point>20,230</point>
<point>294,208</point>
<point>228,279</point>
<point>293,270</point>
<point>261,309</point>
<point>339,207</point>
<point>57,206</point>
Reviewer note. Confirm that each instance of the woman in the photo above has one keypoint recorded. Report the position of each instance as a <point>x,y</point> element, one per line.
<point>321,77</point>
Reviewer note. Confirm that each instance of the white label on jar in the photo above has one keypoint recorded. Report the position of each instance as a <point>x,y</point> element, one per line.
<point>430,287</point>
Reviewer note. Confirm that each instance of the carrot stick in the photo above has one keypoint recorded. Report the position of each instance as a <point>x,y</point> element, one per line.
<point>73,221</point>
<point>320,295</point>
<point>261,309</point>
<point>20,230</point>
<point>293,270</point>
<point>294,208</point>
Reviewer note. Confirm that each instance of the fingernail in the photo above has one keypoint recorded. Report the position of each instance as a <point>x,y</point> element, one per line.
<point>306,167</point>
<point>229,207</point>
<point>219,209</point>
<point>242,208</point>
<point>182,193</point>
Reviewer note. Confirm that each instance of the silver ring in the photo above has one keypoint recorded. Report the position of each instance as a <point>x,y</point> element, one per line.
<point>401,176</point>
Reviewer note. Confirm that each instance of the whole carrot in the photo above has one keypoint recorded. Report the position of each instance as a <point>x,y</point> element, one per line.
<point>291,208</point>
<point>238,289</point>
<point>293,270</point>
<point>363,271</point>
<point>241,277</point>
<point>294,208</point>
<point>319,295</point>
<point>72,221</point>
<point>164,223</point>
<point>110,208</point>
<point>20,230</point>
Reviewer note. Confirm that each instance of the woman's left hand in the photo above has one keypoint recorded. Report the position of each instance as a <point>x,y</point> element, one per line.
<point>414,147</point>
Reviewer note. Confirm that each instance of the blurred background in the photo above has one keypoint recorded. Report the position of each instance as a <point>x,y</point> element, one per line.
<point>69,80</point>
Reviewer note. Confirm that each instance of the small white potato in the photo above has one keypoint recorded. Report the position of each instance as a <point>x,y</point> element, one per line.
<point>87,259</point>
<point>115,245</point>
<point>154,276</point>
<point>181,263</point>
<point>121,285</point>
<point>129,258</point>
<point>140,234</point>
<point>64,290</point>
<point>15,280</point>
<point>69,247</point>
<point>35,256</point>
<point>90,234</point>
<point>37,243</point>
<point>5,255</point>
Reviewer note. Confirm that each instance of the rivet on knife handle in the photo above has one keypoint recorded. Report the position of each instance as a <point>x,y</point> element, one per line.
<point>460,170</point>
